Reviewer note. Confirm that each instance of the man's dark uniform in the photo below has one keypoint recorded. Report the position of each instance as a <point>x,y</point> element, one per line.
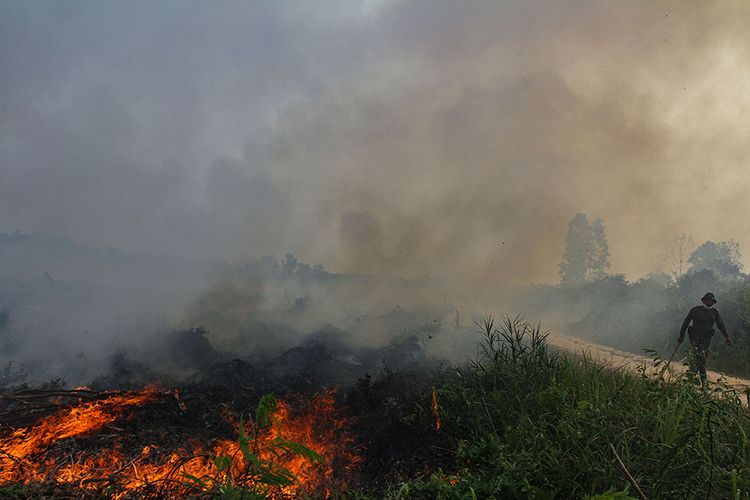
<point>701,332</point>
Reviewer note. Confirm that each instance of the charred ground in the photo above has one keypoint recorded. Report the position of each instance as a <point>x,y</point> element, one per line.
<point>384,419</point>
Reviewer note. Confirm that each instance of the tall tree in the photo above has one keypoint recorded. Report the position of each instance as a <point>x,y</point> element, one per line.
<point>599,261</point>
<point>586,254</point>
<point>680,253</point>
<point>578,243</point>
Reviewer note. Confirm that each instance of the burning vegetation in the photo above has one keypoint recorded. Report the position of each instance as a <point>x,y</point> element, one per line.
<point>189,411</point>
<point>518,421</point>
<point>98,446</point>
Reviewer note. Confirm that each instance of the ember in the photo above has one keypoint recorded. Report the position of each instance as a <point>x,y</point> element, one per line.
<point>435,409</point>
<point>288,449</point>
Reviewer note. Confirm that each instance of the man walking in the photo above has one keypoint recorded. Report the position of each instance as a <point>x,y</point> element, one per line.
<point>701,331</point>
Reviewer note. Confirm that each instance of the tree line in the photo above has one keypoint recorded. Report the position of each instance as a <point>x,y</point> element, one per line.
<point>586,255</point>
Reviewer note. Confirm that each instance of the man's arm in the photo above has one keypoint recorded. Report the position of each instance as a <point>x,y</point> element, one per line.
<point>684,326</point>
<point>722,327</point>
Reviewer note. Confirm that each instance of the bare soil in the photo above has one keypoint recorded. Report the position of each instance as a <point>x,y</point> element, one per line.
<point>634,362</point>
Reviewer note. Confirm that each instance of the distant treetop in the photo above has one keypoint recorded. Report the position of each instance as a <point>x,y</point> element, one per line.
<point>723,258</point>
<point>586,254</point>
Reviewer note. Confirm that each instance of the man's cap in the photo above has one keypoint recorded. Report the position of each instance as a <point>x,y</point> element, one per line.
<point>709,296</point>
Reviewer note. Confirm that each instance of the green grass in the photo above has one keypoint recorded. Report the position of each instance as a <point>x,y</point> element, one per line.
<point>256,477</point>
<point>527,422</point>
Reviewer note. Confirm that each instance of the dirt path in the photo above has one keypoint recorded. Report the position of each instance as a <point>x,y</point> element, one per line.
<point>617,359</point>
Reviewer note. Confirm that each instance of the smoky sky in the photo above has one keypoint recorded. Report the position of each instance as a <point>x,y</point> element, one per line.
<point>393,136</point>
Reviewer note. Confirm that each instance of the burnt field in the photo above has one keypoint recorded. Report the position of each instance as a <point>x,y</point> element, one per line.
<point>298,381</point>
<point>518,420</point>
<point>330,427</point>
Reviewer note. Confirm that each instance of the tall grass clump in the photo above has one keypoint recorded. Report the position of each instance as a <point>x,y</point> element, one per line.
<point>529,422</point>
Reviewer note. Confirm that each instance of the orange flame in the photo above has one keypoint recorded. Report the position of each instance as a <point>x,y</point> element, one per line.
<point>435,409</point>
<point>83,419</point>
<point>26,454</point>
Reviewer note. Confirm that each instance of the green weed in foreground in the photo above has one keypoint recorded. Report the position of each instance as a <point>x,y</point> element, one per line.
<point>528,422</point>
<point>257,477</point>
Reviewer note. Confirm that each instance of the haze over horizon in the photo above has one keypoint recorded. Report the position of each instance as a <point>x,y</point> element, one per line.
<point>378,137</point>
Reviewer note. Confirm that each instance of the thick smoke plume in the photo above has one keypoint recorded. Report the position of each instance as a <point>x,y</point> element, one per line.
<point>391,137</point>
<point>401,136</point>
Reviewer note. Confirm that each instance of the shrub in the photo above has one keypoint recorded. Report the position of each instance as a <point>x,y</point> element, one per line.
<point>527,422</point>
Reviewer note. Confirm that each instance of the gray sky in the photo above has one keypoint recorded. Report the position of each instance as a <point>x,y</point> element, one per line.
<point>402,137</point>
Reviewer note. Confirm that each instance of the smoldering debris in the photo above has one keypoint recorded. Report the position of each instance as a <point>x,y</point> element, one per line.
<point>128,323</point>
<point>214,388</point>
<point>276,326</point>
<point>325,357</point>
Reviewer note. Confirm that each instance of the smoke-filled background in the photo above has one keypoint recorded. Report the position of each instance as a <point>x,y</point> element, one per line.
<point>396,138</point>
